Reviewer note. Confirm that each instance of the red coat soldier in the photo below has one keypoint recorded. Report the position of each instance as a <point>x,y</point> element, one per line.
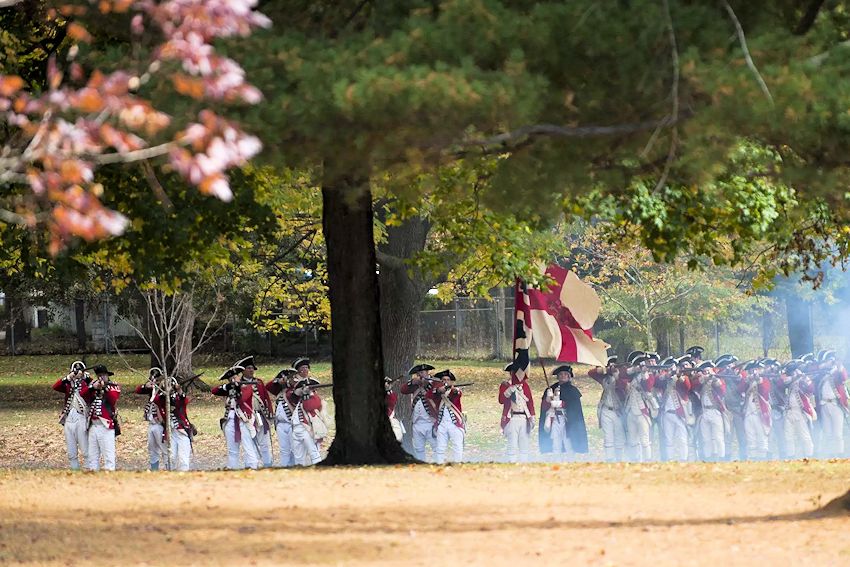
<point>74,416</point>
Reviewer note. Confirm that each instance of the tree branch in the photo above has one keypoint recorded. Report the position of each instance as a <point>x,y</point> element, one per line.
<point>742,39</point>
<point>523,135</point>
<point>389,261</point>
<point>809,17</point>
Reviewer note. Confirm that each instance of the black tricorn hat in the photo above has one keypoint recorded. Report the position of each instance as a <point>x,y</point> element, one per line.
<point>753,364</point>
<point>78,366</point>
<point>695,351</point>
<point>246,362</point>
<point>509,367</point>
<point>563,368</point>
<point>639,359</point>
<point>611,360</point>
<point>100,369</point>
<point>155,372</point>
<point>633,355</point>
<point>705,365</point>
<point>445,374</point>
<point>286,372</point>
<point>653,356</point>
<point>419,367</point>
<point>310,380</point>
<point>301,362</point>
<point>231,372</point>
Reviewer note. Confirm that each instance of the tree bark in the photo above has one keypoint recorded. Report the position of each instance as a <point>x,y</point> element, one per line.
<point>80,322</point>
<point>363,432</point>
<point>799,325</point>
<point>402,297</point>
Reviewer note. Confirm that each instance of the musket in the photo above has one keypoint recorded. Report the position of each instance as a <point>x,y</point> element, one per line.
<point>317,386</point>
<point>462,385</point>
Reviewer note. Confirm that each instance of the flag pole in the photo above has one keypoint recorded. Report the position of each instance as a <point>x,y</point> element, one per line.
<point>545,376</point>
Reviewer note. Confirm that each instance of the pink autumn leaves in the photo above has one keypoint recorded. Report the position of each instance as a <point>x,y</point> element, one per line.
<point>79,123</point>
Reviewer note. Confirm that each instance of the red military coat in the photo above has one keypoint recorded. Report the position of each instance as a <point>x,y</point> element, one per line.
<point>108,407</point>
<point>438,402</point>
<point>392,401</point>
<point>505,400</point>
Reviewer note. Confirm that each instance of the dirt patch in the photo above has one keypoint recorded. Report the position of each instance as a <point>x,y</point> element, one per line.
<point>667,514</point>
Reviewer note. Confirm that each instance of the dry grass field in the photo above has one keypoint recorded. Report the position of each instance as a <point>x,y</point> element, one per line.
<point>474,514</point>
<point>471,514</point>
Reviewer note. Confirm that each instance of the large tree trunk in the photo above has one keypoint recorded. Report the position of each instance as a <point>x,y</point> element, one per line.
<point>80,323</point>
<point>363,432</point>
<point>799,325</point>
<point>402,296</point>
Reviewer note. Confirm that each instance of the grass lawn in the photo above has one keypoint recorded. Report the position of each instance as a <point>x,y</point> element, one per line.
<point>30,435</point>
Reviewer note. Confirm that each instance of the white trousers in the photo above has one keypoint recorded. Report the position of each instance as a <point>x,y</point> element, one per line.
<point>757,437</point>
<point>156,448</point>
<point>562,447</point>
<point>613,432</point>
<point>798,435</point>
<point>101,444</point>
<point>284,443</point>
<point>398,428</point>
<point>304,448</point>
<point>448,432</point>
<point>637,437</point>
<point>832,430</point>
<point>675,437</point>
<point>181,450</point>
<point>76,439</point>
<point>516,438</point>
<point>711,434</point>
<point>422,435</point>
<point>264,443</point>
<point>249,449</point>
<point>776,439</point>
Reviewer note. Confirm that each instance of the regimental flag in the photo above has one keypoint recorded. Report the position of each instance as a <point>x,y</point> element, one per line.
<point>522,331</point>
<point>560,320</point>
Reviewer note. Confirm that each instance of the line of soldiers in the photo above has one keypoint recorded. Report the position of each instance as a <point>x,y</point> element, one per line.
<point>437,418</point>
<point>698,409</point>
<point>297,415</point>
<point>90,416</point>
<point>91,421</point>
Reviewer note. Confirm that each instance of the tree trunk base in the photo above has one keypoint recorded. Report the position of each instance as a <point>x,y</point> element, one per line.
<point>837,507</point>
<point>384,455</point>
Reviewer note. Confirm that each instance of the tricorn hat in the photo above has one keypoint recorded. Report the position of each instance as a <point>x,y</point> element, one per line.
<point>725,360</point>
<point>509,367</point>
<point>301,362</point>
<point>563,368</point>
<point>792,365</point>
<point>100,369</point>
<point>155,372</point>
<point>653,356</point>
<point>611,360</point>
<point>633,355</point>
<point>78,366</point>
<point>309,379</point>
<point>417,368</point>
<point>445,374</point>
<point>640,359</point>
<point>695,351</point>
<point>286,372</point>
<point>769,362</point>
<point>825,355</point>
<point>247,362</point>
<point>808,357</point>
<point>231,372</point>
<point>668,362</point>
<point>705,365</point>
<point>753,364</point>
